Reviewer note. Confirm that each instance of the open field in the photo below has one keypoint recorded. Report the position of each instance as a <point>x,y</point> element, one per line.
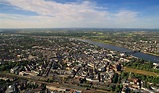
<point>143,72</point>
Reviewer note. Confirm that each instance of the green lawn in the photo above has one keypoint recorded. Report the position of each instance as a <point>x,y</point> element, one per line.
<point>143,72</point>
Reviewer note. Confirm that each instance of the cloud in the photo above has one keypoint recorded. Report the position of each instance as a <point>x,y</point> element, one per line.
<point>75,14</point>
<point>54,9</point>
<point>124,16</point>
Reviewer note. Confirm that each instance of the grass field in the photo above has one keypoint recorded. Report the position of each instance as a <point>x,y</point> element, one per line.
<point>143,72</point>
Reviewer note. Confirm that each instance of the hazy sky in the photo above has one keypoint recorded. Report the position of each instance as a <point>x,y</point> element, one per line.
<point>79,13</point>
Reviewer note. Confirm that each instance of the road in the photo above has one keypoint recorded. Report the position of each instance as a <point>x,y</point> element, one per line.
<point>53,84</point>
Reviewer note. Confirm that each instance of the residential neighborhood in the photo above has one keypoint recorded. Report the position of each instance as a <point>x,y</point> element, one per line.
<point>56,64</point>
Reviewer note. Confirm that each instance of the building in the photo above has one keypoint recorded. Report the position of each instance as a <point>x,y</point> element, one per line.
<point>14,70</point>
<point>157,46</point>
<point>11,89</point>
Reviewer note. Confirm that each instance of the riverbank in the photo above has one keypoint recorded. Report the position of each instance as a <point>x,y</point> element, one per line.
<point>111,43</point>
<point>141,55</point>
<point>151,53</point>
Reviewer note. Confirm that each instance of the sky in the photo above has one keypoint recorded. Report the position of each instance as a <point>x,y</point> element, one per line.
<point>79,13</point>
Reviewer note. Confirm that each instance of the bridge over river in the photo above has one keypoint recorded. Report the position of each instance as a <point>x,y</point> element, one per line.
<point>135,53</point>
<point>130,51</point>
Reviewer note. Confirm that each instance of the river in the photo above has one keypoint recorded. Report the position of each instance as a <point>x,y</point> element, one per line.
<point>147,57</point>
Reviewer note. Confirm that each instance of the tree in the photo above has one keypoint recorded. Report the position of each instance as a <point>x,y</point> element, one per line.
<point>43,86</point>
<point>115,78</point>
<point>127,89</point>
<point>113,87</point>
<point>118,88</point>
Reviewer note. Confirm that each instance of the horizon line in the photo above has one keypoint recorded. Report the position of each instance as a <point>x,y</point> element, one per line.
<point>78,28</point>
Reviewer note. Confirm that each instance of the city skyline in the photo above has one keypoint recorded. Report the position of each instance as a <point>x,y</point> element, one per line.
<point>79,13</point>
